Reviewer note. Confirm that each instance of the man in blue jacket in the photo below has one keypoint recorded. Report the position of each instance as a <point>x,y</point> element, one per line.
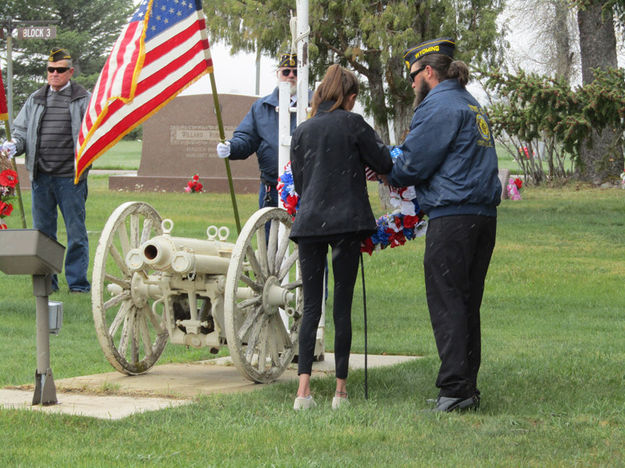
<point>449,156</point>
<point>258,133</point>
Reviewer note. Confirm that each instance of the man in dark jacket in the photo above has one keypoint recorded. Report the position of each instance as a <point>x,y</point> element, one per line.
<point>258,133</point>
<point>46,130</point>
<point>449,156</point>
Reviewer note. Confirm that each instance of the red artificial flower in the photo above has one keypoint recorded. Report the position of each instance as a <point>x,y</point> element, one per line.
<point>519,183</point>
<point>196,177</point>
<point>397,239</point>
<point>5,209</point>
<point>3,226</point>
<point>410,221</point>
<point>8,178</point>
<point>367,246</point>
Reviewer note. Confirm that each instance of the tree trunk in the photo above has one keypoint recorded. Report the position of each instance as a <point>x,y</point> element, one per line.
<point>378,109</point>
<point>564,54</point>
<point>402,109</point>
<point>601,156</point>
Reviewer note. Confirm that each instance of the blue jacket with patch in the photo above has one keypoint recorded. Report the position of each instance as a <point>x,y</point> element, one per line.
<point>449,155</point>
<point>258,133</point>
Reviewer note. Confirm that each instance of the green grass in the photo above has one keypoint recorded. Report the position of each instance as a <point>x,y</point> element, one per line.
<point>552,377</point>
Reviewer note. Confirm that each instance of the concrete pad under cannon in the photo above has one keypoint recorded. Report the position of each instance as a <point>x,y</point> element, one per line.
<point>113,395</point>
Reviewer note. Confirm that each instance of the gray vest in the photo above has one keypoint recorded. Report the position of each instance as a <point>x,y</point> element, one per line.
<point>56,146</point>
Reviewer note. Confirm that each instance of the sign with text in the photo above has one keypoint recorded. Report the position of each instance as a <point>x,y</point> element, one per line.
<point>37,32</point>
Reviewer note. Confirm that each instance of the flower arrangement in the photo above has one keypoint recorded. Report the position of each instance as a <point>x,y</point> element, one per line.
<point>514,188</point>
<point>8,181</point>
<point>286,189</point>
<point>194,185</point>
<point>404,223</point>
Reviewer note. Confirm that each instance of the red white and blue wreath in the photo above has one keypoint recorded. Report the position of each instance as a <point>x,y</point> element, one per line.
<point>405,223</point>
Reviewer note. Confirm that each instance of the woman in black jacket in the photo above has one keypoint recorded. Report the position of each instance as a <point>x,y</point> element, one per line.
<point>328,157</point>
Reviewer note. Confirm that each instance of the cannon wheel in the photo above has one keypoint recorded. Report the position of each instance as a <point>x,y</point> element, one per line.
<point>260,343</point>
<point>131,335</point>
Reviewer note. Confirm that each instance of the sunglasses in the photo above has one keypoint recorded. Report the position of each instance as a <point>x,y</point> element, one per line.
<point>288,71</point>
<point>414,74</point>
<point>57,69</point>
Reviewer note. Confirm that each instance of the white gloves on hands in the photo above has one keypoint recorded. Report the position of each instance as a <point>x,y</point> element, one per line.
<point>9,148</point>
<point>223,149</point>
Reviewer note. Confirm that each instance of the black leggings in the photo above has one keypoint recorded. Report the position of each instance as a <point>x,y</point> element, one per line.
<point>312,257</point>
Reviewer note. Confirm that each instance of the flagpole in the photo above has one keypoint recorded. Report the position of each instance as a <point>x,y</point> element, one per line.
<point>222,137</point>
<point>7,129</point>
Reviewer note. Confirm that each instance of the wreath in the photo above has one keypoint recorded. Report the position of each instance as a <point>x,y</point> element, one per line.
<point>404,223</point>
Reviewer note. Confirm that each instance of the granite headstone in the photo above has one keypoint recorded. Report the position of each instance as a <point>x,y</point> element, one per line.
<point>180,140</point>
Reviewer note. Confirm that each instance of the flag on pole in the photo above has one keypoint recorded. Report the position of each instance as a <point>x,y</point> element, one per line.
<point>4,112</point>
<point>163,49</point>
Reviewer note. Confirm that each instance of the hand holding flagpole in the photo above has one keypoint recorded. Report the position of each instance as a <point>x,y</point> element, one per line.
<point>5,116</point>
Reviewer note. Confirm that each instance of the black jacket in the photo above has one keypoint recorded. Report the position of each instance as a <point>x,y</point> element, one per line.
<point>328,157</point>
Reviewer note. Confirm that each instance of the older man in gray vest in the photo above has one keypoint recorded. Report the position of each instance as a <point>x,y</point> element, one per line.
<point>46,130</point>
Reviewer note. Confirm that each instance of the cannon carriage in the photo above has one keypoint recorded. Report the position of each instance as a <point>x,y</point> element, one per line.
<point>150,287</point>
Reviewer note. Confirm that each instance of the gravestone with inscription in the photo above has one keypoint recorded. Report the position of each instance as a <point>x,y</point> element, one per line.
<point>180,140</point>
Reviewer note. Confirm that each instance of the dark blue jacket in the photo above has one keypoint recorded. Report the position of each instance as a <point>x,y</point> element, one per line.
<point>258,133</point>
<point>449,155</point>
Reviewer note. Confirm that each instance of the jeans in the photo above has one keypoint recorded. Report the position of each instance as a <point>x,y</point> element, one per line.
<point>48,192</point>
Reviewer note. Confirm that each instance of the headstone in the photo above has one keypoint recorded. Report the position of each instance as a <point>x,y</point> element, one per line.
<point>180,140</point>
<point>504,175</point>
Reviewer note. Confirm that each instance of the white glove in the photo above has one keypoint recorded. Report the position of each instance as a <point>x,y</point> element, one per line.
<point>9,148</point>
<point>223,149</point>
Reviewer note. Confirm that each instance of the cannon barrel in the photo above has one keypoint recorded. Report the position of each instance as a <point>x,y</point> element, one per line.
<point>182,255</point>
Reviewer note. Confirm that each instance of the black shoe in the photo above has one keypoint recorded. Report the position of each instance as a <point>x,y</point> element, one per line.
<point>449,404</point>
<point>78,291</point>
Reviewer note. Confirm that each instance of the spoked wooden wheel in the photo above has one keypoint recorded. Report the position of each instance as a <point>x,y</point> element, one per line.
<point>263,298</point>
<point>131,334</point>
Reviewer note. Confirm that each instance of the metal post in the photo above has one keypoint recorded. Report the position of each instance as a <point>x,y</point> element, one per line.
<point>10,69</point>
<point>303,31</point>
<point>45,390</point>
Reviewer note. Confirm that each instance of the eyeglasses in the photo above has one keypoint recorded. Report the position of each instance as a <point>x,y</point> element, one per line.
<point>288,71</point>
<point>57,69</point>
<point>414,74</point>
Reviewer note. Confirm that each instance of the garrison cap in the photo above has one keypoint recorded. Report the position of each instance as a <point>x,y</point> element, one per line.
<point>288,60</point>
<point>57,55</point>
<point>443,45</point>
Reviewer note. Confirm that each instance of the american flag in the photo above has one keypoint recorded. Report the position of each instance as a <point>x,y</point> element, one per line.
<point>4,113</point>
<point>163,49</point>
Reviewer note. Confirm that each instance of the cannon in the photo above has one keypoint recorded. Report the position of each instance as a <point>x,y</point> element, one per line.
<point>149,287</point>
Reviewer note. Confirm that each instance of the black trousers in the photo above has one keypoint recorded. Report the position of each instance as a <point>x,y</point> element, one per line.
<point>312,257</point>
<point>457,254</point>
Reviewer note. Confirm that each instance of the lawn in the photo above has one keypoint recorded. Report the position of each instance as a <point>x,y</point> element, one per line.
<point>552,377</point>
